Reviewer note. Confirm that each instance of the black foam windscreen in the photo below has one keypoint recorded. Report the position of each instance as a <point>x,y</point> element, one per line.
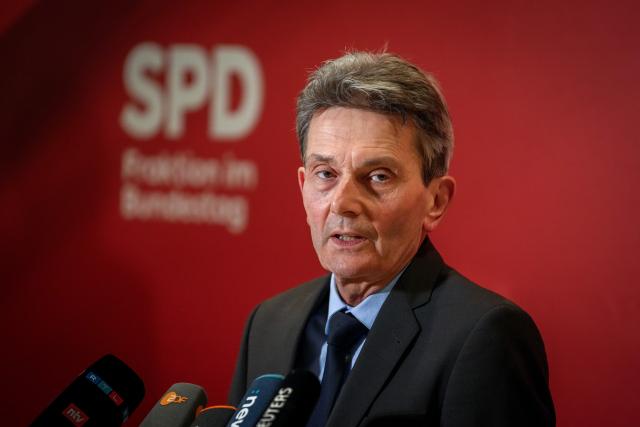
<point>293,402</point>
<point>214,416</point>
<point>103,395</point>
<point>177,407</point>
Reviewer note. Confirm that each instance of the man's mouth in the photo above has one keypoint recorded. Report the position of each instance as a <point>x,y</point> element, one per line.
<point>347,239</point>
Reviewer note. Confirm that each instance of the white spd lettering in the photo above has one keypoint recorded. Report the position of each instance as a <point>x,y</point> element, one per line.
<point>192,78</point>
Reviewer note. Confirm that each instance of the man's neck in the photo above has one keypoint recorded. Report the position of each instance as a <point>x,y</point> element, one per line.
<point>354,291</point>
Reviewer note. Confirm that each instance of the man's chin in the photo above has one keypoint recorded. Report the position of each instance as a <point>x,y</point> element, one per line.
<point>347,273</point>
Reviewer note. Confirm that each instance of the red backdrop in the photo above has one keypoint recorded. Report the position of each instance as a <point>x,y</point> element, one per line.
<point>544,98</point>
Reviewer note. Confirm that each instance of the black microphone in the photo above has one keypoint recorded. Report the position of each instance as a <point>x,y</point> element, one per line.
<point>214,416</point>
<point>294,401</point>
<point>177,407</point>
<point>104,395</point>
<point>255,400</point>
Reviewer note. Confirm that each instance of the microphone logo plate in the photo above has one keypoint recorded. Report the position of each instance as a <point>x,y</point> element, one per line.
<point>172,397</point>
<point>75,415</point>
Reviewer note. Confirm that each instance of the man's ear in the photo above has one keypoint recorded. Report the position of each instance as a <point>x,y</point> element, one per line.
<point>301,177</point>
<point>441,191</point>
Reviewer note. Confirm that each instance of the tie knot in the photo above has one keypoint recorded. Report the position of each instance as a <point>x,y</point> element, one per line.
<point>345,330</point>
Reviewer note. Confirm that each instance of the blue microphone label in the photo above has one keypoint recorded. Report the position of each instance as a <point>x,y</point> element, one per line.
<point>93,378</point>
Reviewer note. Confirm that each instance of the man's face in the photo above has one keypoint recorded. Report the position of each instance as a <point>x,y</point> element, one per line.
<point>362,188</point>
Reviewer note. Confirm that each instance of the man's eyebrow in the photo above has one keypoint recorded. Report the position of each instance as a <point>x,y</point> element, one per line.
<point>380,161</point>
<point>374,161</point>
<point>318,158</point>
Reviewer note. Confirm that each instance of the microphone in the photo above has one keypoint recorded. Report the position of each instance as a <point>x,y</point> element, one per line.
<point>255,400</point>
<point>214,416</point>
<point>177,407</point>
<point>294,401</point>
<point>103,395</point>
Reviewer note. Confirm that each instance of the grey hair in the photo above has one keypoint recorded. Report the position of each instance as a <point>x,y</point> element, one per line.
<point>383,83</point>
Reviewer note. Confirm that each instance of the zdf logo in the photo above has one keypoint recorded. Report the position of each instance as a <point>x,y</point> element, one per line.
<point>164,84</point>
<point>172,397</point>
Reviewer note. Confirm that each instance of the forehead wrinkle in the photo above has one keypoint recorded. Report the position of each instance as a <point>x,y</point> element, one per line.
<point>393,123</point>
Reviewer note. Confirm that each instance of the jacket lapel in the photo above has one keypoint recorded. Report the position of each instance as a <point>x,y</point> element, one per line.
<point>391,335</point>
<point>278,351</point>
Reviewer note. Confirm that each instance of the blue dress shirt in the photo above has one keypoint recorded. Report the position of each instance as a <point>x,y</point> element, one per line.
<point>366,312</point>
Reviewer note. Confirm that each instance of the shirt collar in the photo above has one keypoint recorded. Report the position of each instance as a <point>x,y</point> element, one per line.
<point>367,311</point>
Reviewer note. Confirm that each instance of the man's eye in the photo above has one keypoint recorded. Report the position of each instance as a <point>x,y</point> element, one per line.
<point>324,174</point>
<point>379,177</point>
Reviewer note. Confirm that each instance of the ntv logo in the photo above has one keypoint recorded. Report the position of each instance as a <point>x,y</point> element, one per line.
<point>75,415</point>
<point>192,77</point>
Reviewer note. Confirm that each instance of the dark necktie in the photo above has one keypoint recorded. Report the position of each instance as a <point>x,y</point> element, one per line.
<point>344,332</point>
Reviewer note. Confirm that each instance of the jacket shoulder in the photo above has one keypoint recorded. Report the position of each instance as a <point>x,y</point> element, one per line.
<point>465,299</point>
<point>293,299</point>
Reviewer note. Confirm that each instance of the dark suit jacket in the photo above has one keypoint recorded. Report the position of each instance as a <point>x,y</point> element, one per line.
<point>442,351</point>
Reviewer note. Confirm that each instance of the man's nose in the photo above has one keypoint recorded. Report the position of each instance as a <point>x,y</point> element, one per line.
<point>347,198</point>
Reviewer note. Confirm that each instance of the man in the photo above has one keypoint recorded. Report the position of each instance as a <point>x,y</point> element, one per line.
<point>427,346</point>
